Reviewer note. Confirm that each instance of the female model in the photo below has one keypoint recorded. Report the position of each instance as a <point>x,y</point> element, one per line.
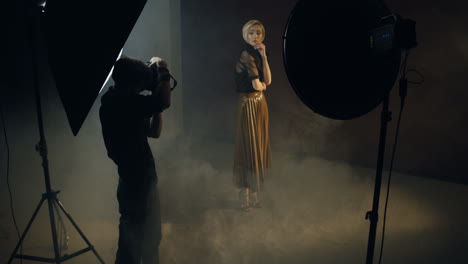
<point>252,154</point>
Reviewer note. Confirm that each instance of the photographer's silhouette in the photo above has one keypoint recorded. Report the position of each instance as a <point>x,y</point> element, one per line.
<point>128,119</point>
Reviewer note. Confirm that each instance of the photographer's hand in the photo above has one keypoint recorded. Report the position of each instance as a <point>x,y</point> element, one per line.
<point>165,91</point>
<point>162,97</point>
<point>164,86</point>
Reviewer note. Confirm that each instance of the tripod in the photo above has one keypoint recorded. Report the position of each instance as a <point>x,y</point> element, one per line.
<point>50,196</point>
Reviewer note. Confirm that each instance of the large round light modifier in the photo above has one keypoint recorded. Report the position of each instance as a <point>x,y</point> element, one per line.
<point>339,56</point>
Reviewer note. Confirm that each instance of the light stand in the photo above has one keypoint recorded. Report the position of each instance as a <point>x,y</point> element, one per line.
<point>50,195</point>
<point>406,40</point>
<point>373,215</point>
<point>372,47</point>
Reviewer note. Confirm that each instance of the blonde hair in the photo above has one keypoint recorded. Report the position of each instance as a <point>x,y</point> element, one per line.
<point>248,25</point>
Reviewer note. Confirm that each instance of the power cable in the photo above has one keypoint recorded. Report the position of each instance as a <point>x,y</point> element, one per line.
<point>403,89</point>
<point>8,177</point>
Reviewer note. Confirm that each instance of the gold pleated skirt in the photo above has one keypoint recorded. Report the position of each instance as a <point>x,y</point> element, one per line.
<point>252,152</point>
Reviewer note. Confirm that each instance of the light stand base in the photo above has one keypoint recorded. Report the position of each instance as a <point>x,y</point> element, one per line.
<point>52,199</point>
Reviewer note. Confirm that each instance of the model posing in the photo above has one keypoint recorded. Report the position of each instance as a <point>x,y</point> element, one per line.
<point>252,148</point>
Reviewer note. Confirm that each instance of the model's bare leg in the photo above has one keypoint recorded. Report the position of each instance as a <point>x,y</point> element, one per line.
<point>257,202</point>
<point>244,198</point>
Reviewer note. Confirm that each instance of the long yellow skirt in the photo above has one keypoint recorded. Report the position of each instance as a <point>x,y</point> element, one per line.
<point>252,153</point>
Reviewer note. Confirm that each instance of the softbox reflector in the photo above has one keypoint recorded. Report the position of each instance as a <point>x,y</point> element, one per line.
<point>339,56</point>
<point>83,41</point>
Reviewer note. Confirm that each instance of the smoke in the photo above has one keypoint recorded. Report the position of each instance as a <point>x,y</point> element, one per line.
<point>313,210</point>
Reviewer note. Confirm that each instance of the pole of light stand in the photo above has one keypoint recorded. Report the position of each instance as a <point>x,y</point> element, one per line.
<point>373,215</point>
<point>41,147</point>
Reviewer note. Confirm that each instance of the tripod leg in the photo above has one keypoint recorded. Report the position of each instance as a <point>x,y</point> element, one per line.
<point>26,230</point>
<point>53,227</point>
<point>79,231</point>
<point>61,229</point>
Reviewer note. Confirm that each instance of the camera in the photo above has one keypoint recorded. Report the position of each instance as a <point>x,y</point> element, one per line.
<point>160,73</point>
<point>155,78</point>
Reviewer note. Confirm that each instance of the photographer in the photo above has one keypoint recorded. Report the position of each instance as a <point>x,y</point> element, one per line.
<point>127,120</point>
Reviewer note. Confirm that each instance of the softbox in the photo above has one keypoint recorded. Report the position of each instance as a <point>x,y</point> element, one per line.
<point>83,41</point>
<point>340,56</point>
